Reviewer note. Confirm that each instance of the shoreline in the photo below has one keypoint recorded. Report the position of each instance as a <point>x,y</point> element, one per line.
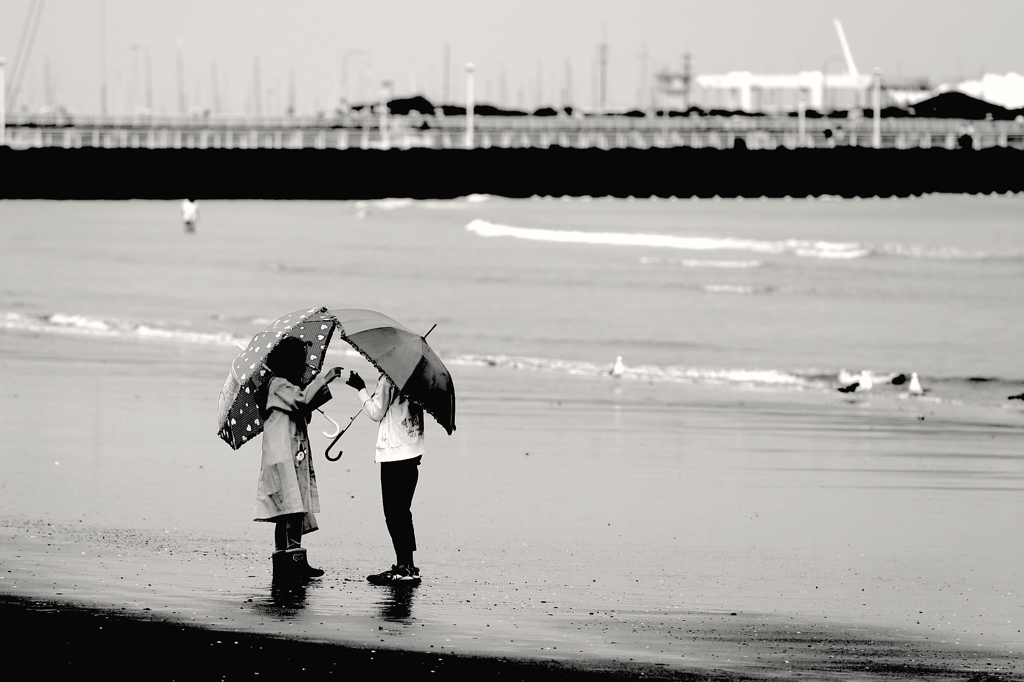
<point>280,630</point>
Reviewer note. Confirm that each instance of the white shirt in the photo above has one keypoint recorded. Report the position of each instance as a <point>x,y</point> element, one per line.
<point>400,434</point>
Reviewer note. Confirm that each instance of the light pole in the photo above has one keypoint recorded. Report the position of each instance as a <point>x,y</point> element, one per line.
<point>824,80</point>
<point>876,104</point>
<point>345,89</point>
<point>149,76</point>
<point>470,68</point>
<point>385,91</point>
<point>3,102</point>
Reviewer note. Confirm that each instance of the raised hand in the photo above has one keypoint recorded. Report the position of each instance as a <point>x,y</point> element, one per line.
<point>355,381</point>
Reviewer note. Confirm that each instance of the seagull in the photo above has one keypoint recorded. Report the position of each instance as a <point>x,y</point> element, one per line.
<point>617,369</point>
<point>915,385</point>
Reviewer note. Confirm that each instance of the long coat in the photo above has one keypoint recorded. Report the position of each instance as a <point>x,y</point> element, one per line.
<point>288,486</point>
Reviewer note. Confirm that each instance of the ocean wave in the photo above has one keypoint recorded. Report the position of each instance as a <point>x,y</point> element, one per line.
<point>83,325</point>
<point>945,252</point>
<point>398,203</point>
<point>806,248</point>
<point>799,247</point>
<point>677,374</point>
<point>692,263</point>
<point>736,289</point>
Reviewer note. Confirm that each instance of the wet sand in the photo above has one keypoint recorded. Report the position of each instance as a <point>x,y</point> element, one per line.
<point>661,529</point>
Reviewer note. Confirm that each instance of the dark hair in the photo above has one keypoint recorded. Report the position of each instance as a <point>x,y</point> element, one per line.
<point>288,361</point>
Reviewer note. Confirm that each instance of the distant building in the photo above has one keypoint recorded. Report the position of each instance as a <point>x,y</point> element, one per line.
<point>767,93</point>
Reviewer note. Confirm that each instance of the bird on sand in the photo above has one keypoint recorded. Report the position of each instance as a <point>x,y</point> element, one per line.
<point>617,369</point>
<point>1016,397</point>
<point>849,389</point>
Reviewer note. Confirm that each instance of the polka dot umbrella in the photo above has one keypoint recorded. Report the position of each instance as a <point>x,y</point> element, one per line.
<point>239,416</point>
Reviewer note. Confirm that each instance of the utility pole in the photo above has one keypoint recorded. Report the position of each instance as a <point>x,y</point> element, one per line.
<point>642,89</point>
<point>181,80</point>
<point>257,88</point>
<point>291,92</point>
<point>215,82</point>
<point>446,93</point>
<point>602,57</point>
<point>876,104</point>
<point>568,82</point>
<point>540,85</point>
<point>346,87</point>
<point>3,100</point>
<point>149,75</point>
<point>47,82</point>
<point>470,68</point>
<point>103,57</point>
<point>503,87</point>
<point>385,142</point>
<point>686,80</point>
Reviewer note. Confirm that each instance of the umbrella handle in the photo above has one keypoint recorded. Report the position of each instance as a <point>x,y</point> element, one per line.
<point>327,452</point>
<point>337,426</point>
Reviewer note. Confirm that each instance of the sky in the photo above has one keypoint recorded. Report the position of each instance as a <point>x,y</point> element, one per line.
<point>527,53</point>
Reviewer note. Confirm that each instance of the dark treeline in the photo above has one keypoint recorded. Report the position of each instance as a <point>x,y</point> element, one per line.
<point>93,173</point>
<point>946,105</point>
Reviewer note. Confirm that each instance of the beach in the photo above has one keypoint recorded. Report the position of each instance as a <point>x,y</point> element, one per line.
<point>718,512</point>
<point>784,542</point>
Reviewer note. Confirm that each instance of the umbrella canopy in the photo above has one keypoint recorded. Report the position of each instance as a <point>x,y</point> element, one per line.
<point>404,358</point>
<point>239,415</point>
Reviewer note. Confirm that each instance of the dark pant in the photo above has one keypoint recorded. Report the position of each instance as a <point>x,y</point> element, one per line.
<point>288,531</point>
<point>397,486</point>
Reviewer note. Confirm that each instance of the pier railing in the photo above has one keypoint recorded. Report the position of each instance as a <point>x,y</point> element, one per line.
<point>449,132</point>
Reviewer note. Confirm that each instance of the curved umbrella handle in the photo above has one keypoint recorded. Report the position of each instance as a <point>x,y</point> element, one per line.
<point>327,452</point>
<point>337,426</point>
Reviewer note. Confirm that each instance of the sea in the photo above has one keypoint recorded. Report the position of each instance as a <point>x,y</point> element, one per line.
<point>797,294</point>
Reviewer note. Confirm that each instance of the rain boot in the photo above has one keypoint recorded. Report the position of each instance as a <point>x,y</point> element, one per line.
<point>299,566</point>
<point>285,569</point>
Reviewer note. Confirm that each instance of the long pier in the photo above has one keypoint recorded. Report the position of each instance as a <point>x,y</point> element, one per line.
<point>450,132</point>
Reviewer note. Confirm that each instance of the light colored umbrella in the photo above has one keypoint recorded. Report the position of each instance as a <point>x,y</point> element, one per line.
<point>403,357</point>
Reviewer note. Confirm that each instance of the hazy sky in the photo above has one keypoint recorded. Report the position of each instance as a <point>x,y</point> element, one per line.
<point>526,51</point>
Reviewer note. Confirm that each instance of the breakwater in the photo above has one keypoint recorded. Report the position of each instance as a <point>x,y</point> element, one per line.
<point>97,173</point>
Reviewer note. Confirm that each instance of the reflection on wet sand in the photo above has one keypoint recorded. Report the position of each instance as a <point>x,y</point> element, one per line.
<point>286,600</point>
<point>395,605</point>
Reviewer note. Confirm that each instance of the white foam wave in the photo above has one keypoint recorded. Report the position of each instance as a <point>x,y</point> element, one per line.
<point>944,252</point>
<point>398,203</point>
<point>689,375</point>
<point>691,263</point>
<point>799,247</point>
<point>82,325</point>
<point>735,289</point>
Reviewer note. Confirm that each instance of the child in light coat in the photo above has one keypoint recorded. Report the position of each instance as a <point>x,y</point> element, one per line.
<point>287,494</point>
